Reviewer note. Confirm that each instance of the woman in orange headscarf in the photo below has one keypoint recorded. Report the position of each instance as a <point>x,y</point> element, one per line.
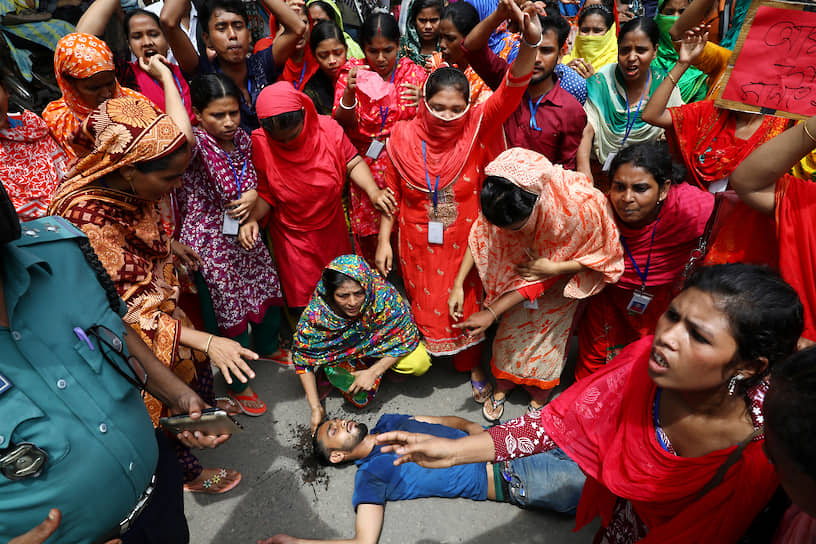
<point>85,74</point>
<point>545,239</point>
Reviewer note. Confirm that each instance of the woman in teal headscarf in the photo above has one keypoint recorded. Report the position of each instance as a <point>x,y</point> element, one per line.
<point>421,38</point>
<point>693,83</point>
<point>355,327</point>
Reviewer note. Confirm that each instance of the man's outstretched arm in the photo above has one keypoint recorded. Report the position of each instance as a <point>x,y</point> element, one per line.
<point>368,527</point>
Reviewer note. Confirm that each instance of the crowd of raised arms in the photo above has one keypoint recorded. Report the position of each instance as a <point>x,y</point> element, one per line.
<point>353,189</point>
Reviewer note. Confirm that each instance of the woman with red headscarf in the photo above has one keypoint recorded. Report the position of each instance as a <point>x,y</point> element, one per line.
<point>435,165</point>
<point>302,160</point>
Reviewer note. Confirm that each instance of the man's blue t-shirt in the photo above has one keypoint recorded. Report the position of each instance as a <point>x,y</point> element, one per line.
<point>378,480</point>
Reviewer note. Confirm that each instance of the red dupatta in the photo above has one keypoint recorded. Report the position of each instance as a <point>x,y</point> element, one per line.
<point>447,145</point>
<point>796,231</point>
<point>605,424</point>
<point>300,177</point>
<point>299,73</point>
<point>704,136</point>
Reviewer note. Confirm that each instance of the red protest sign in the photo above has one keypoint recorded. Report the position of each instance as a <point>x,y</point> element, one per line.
<point>773,68</point>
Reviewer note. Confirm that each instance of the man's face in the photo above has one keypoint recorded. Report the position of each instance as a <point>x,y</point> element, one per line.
<point>341,434</point>
<point>547,56</point>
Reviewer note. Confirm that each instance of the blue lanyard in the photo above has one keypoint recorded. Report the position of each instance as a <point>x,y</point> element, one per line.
<point>234,173</point>
<point>642,275</point>
<point>384,113</point>
<point>435,191</point>
<point>637,112</point>
<point>534,110</point>
<point>178,86</point>
<point>302,74</point>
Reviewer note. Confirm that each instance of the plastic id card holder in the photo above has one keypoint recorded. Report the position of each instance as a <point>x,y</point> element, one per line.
<point>608,164</point>
<point>230,225</point>
<point>435,232</point>
<point>639,302</point>
<point>375,149</point>
<point>531,304</point>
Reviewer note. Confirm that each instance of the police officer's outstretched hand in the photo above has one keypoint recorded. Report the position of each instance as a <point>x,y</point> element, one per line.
<point>41,532</point>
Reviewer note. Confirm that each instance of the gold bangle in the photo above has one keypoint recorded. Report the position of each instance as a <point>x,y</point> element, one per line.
<point>489,309</point>
<point>809,135</point>
<point>671,77</point>
<point>209,341</point>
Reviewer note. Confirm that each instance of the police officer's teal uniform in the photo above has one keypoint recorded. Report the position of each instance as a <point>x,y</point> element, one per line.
<point>62,396</point>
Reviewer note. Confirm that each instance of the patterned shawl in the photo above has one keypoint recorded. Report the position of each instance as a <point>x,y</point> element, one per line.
<point>126,232</point>
<point>571,221</point>
<point>385,327</point>
<point>79,56</point>
<point>31,164</point>
<point>606,112</point>
<point>410,44</point>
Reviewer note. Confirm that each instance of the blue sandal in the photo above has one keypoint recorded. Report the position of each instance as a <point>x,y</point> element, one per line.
<point>481,390</point>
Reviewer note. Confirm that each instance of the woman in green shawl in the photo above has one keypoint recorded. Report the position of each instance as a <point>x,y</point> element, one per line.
<point>693,83</point>
<point>421,38</point>
<point>327,10</point>
<point>617,94</point>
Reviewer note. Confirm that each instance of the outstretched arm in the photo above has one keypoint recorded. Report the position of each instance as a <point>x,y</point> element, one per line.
<point>693,16</point>
<point>368,526</point>
<point>756,177</point>
<point>434,452</point>
<point>655,113</point>
<point>284,45</point>
<point>96,18</point>
<point>180,44</point>
<point>455,422</point>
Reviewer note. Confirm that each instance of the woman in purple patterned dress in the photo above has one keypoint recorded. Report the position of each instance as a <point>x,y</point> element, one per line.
<point>236,285</point>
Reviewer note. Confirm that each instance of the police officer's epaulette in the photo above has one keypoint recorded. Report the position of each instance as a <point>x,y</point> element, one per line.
<point>47,229</point>
<point>54,228</point>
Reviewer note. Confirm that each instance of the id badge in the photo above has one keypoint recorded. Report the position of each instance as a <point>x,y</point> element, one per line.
<point>435,230</point>
<point>639,302</point>
<point>608,164</point>
<point>531,304</point>
<point>375,149</point>
<point>230,225</point>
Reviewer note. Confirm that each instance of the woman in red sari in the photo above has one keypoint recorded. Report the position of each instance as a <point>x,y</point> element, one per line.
<point>660,220</point>
<point>763,182</point>
<point>670,433</point>
<point>368,102</point>
<point>435,166</point>
<point>302,160</point>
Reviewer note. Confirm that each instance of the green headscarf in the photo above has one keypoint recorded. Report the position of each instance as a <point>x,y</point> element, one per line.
<point>353,49</point>
<point>692,85</point>
<point>410,44</point>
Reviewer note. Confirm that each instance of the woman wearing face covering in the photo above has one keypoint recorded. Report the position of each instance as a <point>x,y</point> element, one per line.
<point>435,166</point>
<point>302,160</point>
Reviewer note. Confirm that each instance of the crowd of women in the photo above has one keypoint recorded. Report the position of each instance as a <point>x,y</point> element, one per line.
<point>494,180</point>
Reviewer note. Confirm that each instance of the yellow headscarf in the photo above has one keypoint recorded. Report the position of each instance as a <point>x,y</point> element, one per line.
<point>597,50</point>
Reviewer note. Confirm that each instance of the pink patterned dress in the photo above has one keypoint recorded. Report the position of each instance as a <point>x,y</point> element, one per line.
<point>243,284</point>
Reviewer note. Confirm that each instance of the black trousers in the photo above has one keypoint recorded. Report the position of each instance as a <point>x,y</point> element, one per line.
<point>162,521</point>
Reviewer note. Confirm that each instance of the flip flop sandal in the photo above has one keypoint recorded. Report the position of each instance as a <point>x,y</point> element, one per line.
<point>481,390</point>
<point>531,408</point>
<point>497,407</point>
<point>249,410</point>
<point>230,406</point>
<point>281,357</point>
<point>209,485</point>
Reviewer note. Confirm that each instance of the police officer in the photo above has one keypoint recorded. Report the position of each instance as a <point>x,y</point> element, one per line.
<point>74,433</point>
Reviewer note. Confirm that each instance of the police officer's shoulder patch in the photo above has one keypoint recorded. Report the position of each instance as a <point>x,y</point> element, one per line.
<point>47,229</point>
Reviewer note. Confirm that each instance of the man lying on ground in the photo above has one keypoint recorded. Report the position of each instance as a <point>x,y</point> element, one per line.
<point>548,480</point>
